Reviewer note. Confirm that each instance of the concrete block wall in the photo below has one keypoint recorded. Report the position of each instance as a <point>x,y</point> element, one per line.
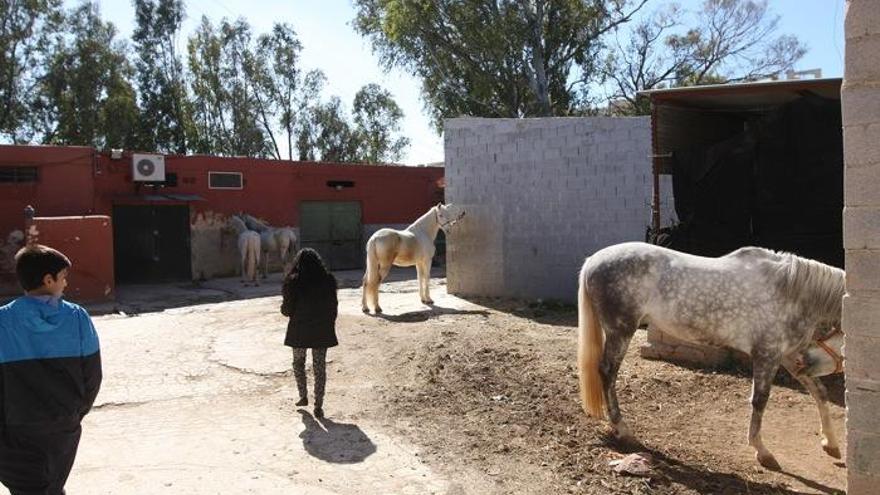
<point>540,196</point>
<point>861,239</point>
<point>668,348</point>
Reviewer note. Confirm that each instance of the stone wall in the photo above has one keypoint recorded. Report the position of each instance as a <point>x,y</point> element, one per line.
<point>540,196</point>
<point>861,239</point>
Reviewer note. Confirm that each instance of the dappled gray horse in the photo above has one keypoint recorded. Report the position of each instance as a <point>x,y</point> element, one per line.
<point>772,306</point>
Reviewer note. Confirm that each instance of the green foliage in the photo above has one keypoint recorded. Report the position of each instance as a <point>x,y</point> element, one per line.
<point>66,79</point>
<point>164,107</point>
<point>85,96</point>
<point>26,30</point>
<point>377,120</point>
<point>495,58</point>
<point>335,139</point>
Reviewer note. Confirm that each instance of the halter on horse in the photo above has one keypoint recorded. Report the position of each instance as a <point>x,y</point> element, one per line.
<point>411,246</point>
<point>770,305</point>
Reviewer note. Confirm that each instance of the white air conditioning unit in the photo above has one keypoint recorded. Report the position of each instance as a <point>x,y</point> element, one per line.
<point>148,168</point>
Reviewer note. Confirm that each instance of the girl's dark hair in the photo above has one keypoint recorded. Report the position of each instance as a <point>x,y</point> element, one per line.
<point>308,269</point>
<point>35,261</point>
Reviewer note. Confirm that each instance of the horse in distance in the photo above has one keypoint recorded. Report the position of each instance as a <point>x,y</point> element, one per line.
<point>273,239</point>
<point>412,246</point>
<point>249,250</point>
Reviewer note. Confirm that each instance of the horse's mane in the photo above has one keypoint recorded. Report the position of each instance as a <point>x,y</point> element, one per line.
<point>815,285</point>
<point>237,223</point>
<point>423,218</point>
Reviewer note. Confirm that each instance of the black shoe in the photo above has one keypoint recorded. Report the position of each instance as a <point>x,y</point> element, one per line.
<point>302,402</point>
<point>319,413</point>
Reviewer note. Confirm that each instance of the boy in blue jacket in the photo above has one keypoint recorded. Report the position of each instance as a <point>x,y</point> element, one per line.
<point>50,373</point>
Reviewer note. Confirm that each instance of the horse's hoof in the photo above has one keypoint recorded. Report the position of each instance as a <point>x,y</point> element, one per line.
<point>832,451</point>
<point>622,434</point>
<point>365,310</point>
<point>768,461</point>
<point>427,301</point>
<point>378,311</point>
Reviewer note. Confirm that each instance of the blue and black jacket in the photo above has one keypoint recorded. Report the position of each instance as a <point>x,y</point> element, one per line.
<point>50,364</point>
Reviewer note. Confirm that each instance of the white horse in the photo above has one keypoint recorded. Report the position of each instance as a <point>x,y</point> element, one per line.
<point>279,239</point>
<point>777,307</point>
<point>411,246</point>
<point>249,248</point>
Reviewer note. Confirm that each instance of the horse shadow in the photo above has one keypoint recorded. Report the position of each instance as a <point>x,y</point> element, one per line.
<point>433,311</point>
<point>741,367</point>
<point>337,443</point>
<point>669,470</point>
<point>548,312</point>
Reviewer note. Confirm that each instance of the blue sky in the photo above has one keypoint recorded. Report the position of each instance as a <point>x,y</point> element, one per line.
<point>330,44</point>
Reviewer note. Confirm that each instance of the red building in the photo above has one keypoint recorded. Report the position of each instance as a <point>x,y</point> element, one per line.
<point>176,228</point>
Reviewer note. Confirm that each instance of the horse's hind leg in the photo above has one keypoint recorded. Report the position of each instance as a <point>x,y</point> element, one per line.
<point>763,371</point>
<point>364,289</point>
<point>820,395</point>
<point>383,272</point>
<point>616,343</point>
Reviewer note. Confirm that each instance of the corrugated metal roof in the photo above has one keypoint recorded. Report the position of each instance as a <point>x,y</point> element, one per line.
<point>743,96</point>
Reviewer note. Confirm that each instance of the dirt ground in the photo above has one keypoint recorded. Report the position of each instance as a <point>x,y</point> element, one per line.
<point>469,396</point>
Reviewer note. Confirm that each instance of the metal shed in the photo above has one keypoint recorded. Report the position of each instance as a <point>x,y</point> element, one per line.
<point>752,164</point>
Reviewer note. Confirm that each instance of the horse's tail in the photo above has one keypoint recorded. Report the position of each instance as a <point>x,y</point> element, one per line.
<point>590,347</point>
<point>253,260</point>
<point>291,245</point>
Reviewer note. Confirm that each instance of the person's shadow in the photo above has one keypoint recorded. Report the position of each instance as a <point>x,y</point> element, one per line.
<point>339,443</point>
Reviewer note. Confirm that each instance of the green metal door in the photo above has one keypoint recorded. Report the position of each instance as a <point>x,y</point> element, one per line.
<point>333,228</point>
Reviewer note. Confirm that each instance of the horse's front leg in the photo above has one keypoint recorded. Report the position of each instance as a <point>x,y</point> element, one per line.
<point>763,371</point>
<point>820,394</point>
<point>424,272</point>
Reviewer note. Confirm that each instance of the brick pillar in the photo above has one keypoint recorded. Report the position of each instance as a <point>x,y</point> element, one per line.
<point>861,239</point>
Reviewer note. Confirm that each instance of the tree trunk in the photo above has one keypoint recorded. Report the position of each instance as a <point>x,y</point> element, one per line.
<point>539,73</point>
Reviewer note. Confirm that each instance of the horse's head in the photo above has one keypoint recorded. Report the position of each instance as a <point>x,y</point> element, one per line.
<point>235,224</point>
<point>447,215</point>
<point>822,357</point>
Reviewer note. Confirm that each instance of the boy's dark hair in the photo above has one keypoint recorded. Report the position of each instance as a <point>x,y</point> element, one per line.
<point>35,261</point>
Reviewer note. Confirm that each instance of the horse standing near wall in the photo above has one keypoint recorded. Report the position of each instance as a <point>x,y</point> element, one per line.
<point>776,307</point>
<point>249,249</point>
<point>280,239</point>
<point>412,246</point>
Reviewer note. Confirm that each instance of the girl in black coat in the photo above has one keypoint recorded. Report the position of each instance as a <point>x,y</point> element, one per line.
<point>309,300</point>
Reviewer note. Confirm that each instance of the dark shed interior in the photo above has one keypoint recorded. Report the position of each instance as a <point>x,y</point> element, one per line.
<point>756,164</point>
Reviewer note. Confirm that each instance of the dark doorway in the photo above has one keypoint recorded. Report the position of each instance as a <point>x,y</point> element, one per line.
<point>334,229</point>
<point>151,243</point>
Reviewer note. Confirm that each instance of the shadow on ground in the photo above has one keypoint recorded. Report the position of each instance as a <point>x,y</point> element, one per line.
<point>563,314</point>
<point>133,299</point>
<point>550,312</point>
<point>670,470</point>
<point>426,314</point>
<point>338,443</point>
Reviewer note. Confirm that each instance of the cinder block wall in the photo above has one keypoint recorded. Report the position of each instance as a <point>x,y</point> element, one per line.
<point>861,239</point>
<point>540,196</point>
